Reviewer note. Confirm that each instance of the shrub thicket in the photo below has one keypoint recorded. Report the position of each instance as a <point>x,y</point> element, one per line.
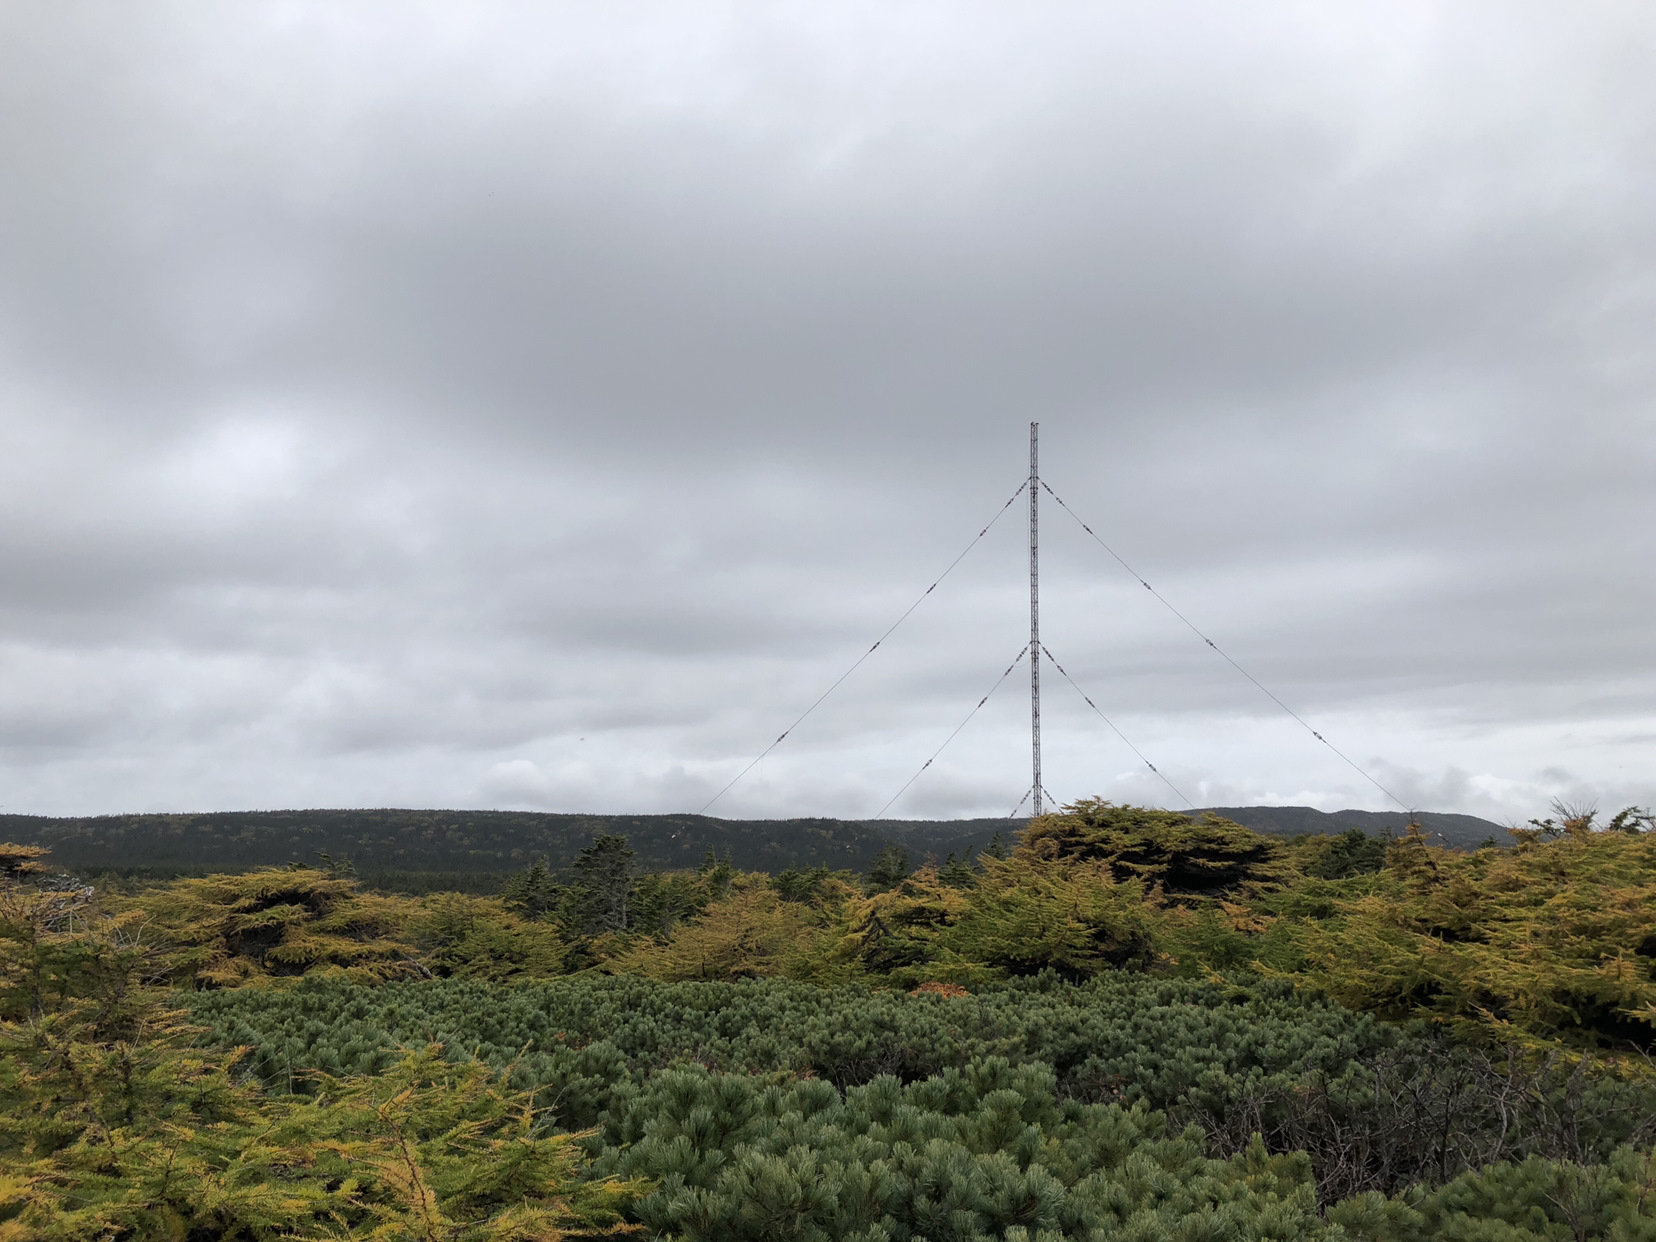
<point>1136,1025</point>
<point>1377,1107</point>
<point>116,1124</point>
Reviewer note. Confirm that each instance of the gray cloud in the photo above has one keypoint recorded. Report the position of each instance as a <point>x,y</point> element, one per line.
<point>506,407</point>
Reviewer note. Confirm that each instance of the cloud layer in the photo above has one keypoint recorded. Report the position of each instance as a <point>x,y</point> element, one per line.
<point>540,407</point>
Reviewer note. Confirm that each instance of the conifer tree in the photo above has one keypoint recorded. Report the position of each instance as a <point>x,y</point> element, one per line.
<point>889,869</point>
<point>17,861</point>
<point>803,886</point>
<point>958,872</point>
<point>600,891</point>
<point>1184,857</point>
<point>1353,852</point>
<point>533,892</point>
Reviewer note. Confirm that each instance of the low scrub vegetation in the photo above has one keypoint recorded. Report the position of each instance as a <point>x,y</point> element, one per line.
<point>1133,1024</point>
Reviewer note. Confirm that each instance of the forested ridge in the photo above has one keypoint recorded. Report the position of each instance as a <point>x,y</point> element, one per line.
<point>467,845</point>
<point>392,840</point>
<point>1120,1023</point>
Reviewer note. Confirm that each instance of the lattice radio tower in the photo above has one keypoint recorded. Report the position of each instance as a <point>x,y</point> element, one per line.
<point>1035,607</point>
<point>1034,650</point>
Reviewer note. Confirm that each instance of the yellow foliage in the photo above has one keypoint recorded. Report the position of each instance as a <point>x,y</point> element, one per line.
<point>1552,936</point>
<point>1075,918</point>
<point>949,991</point>
<point>17,861</point>
<point>904,931</point>
<point>751,933</point>
<point>478,937</point>
<point>1183,857</point>
<point>114,1123</point>
<point>229,930</point>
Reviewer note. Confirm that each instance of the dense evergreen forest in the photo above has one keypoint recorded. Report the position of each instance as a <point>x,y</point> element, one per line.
<point>1118,1023</point>
<point>476,850</point>
<point>471,841</point>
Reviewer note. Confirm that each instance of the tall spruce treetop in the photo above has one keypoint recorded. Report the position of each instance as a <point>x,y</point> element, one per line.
<point>534,892</point>
<point>602,888</point>
<point>891,868</point>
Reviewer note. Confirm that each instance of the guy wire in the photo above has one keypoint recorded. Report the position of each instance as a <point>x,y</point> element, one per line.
<point>956,733</point>
<point>1117,731</point>
<point>1351,763</point>
<point>858,664</point>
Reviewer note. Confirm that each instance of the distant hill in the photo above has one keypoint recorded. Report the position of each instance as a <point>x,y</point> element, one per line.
<point>390,840</point>
<point>1462,832</point>
<point>416,840</point>
<point>938,838</point>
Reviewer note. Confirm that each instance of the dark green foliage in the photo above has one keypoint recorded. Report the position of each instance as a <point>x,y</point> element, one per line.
<point>1460,832</point>
<point>1119,1038</point>
<point>601,888</point>
<point>984,1151</point>
<point>1376,1108</point>
<point>1427,1108</point>
<point>494,841</point>
<point>1633,819</point>
<point>1351,853</point>
<point>993,1151</point>
<point>660,902</point>
<point>957,872</point>
<point>939,837</point>
<point>890,868</point>
<point>404,843</point>
<point>802,886</point>
<point>533,893</point>
<point>341,866</point>
<point>379,880</point>
<point>605,893</point>
<point>1536,1200</point>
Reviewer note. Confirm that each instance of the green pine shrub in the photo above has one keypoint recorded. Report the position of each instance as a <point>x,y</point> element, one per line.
<point>985,1151</point>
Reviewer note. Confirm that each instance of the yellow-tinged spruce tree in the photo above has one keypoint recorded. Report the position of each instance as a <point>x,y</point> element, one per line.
<point>114,1124</point>
<point>1555,937</point>
<point>275,922</point>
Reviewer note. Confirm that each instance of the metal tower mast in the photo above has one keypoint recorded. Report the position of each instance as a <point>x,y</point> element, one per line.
<point>1035,606</point>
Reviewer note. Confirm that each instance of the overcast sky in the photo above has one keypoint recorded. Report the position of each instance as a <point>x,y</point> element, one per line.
<point>539,406</point>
